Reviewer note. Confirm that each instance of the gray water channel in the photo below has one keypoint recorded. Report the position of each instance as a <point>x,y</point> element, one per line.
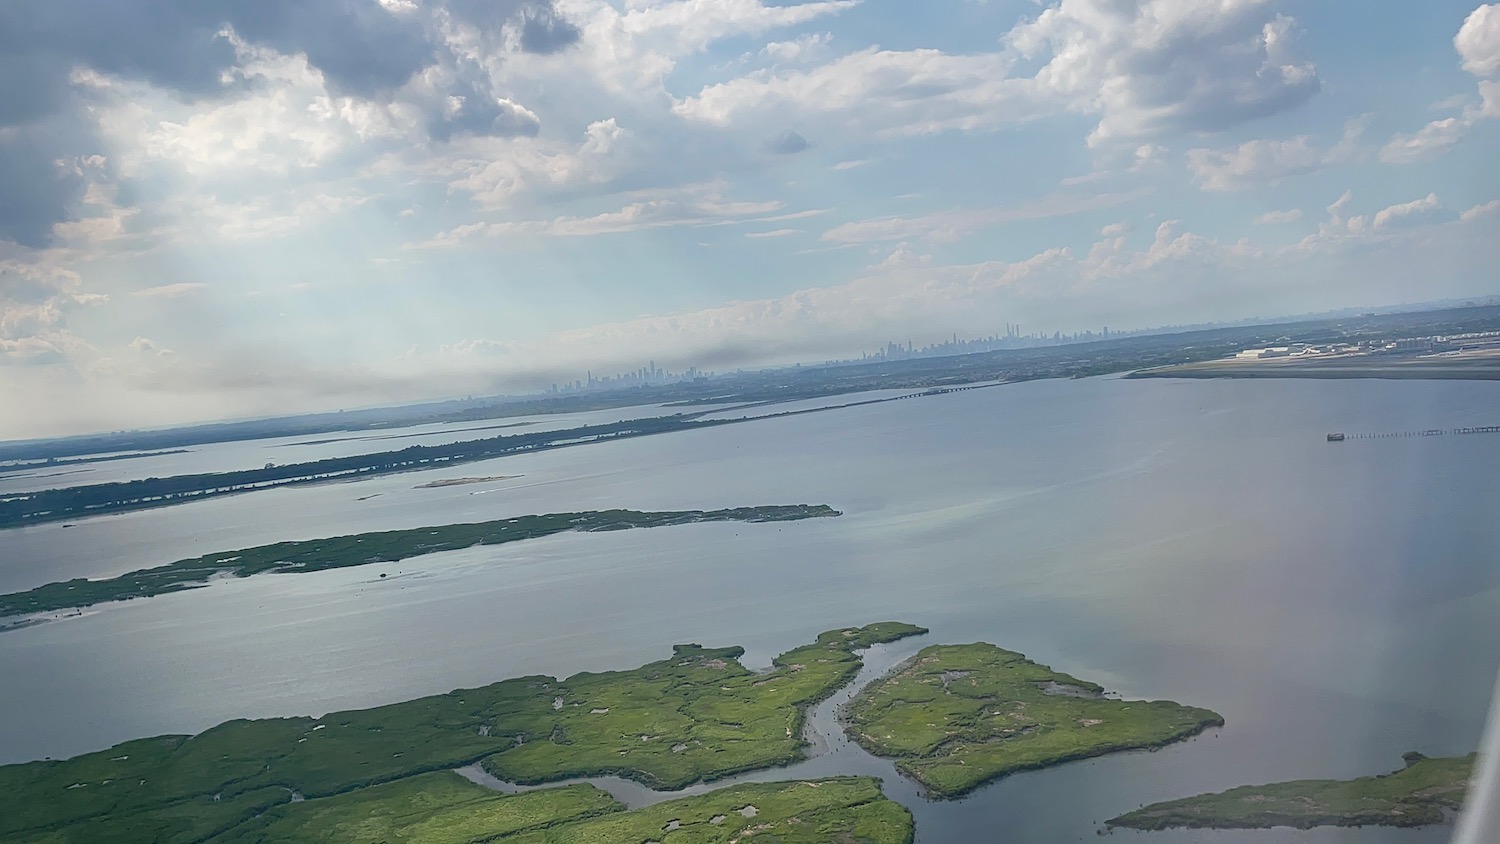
<point>829,751</point>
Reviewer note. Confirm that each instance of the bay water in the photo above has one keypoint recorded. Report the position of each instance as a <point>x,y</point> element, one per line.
<point>1201,541</point>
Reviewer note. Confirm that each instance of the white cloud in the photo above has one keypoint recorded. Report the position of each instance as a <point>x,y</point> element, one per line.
<point>112,225</point>
<point>1197,275</point>
<point>1147,156</point>
<point>1168,65</point>
<point>171,291</point>
<point>1489,94</point>
<point>1478,41</point>
<point>1145,68</point>
<point>1478,45</point>
<point>1268,161</point>
<point>1478,211</point>
<point>35,300</point>
<point>1254,163</point>
<point>904,255</point>
<point>878,91</point>
<point>498,172</point>
<point>813,45</point>
<point>286,121</point>
<point>147,346</point>
<point>638,216</point>
<point>685,209</point>
<point>1407,214</point>
<point>949,226</point>
<point>1433,139</point>
<point>1276,218</point>
<point>630,53</point>
<point>691,25</point>
<point>773,233</point>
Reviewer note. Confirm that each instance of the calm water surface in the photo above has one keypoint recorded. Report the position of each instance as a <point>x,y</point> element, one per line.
<point>1192,540</point>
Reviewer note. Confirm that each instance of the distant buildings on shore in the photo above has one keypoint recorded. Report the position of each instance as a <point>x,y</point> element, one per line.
<point>1434,344</point>
<point>648,375</point>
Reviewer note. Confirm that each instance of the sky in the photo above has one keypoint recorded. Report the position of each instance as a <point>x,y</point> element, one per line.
<point>229,208</point>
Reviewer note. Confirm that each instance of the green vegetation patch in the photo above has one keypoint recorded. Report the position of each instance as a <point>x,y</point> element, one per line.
<point>437,808</point>
<point>369,549</point>
<point>1412,797</point>
<point>699,715</point>
<point>185,822</point>
<point>958,716</point>
<point>447,809</point>
<point>849,810</point>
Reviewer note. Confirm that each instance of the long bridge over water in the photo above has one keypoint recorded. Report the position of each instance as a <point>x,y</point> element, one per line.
<point>1430,432</point>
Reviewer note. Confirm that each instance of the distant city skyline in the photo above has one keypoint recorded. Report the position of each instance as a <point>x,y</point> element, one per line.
<point>1012,337</point>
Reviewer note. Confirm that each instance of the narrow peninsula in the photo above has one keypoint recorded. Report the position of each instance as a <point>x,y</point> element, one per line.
<point>1419,795</point>
<point>369,549</point>
<point>958,716</point>
<point>696,716</point>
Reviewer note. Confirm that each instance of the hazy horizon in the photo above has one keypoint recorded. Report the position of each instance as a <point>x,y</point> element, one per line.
<point>418,400</point>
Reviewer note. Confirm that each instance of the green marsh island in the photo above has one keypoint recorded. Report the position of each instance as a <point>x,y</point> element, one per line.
<point>1419,795</point>
<point>444,808</point>
<point>369,549</point>
<point>957,716</point>
<point>697,716</point>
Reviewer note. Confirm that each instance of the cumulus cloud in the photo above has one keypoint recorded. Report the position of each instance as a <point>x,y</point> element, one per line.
<point>1418,212</point>
<point>1433,139</point>
<point>1268,161</point>
<point>1254,163</point>
<point>493,172</point>
<point>1478,46</point>
<point>1145,68</point>
<point>813,45</point>
<point>267,83</point>
<point>1169,65</point>
<point>35,300</point>
<point>1478,41</point>
<point>1482,210</point>
<point>880,91</point>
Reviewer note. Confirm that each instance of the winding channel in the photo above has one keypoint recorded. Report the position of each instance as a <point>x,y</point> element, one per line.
<point>830,753</point>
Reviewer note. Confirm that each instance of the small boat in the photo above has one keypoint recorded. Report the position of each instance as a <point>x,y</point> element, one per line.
<point>1335,438</point>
